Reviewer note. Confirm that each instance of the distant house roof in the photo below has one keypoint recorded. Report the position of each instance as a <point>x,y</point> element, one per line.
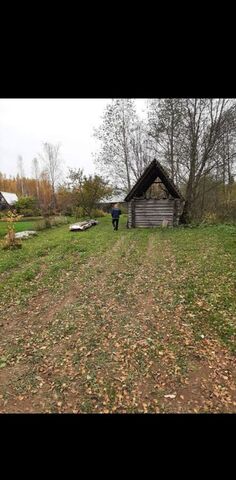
<point>149,175</point>
<point>113,199</point>
<point>10,198</point>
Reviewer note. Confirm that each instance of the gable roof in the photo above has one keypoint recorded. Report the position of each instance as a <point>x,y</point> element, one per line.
<point>149,175</point>
<point>10,198</point>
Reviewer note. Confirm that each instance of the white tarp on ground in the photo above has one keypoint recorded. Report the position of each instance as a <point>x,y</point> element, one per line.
<point>10,198</point>
<point>80,226</point>
<point>25,234</point>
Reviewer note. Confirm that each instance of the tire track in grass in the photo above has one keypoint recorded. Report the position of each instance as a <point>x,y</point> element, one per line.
<point>98,266</point>
<point>111,356</point>
<point>95,324</point>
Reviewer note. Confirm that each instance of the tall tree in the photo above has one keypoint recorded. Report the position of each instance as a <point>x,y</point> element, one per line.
<point>52,162</point>
<point>20,169</point>
<point>36,172</point>
<point>114,133</point>
<point>141,149</point>
<point>164,124</point>
<point>191,132</point>
<point>87,191</point>
<point>206,123</point>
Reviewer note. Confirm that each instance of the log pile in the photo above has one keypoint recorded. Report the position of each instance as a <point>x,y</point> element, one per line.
<point>80,226</point>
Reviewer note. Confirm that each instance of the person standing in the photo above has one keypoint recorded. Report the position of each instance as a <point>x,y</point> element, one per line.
<point>115,213</point>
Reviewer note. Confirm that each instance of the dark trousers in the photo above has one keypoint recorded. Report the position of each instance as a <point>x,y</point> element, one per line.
<point>115,222</point>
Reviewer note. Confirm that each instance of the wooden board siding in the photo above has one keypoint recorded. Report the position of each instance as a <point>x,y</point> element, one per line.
<point>150,213</point>
<point>3,203</point>
<point>129,215</point>
<point>133,214</point>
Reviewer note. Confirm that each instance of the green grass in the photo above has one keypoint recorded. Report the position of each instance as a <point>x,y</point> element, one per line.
<point>140,302</point>
<point>19,226</point>
<point>205,263</point>
<point>55,253</point>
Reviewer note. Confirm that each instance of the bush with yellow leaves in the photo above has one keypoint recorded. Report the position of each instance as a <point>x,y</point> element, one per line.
<point>10,241</point>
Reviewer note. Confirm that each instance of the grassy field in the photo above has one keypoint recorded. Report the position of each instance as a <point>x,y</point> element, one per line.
<point>139,320</point>
<point>32,223</point>
<point>19,226</point>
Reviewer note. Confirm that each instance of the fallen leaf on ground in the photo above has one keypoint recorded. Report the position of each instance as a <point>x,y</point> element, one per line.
<point>171,395</point>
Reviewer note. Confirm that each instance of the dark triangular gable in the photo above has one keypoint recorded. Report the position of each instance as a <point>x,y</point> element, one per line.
<point>149,175</point>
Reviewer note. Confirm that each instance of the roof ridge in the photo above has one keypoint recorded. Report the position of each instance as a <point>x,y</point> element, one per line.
<point>145,173</point>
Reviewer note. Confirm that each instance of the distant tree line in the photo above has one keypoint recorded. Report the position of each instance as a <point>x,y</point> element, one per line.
<point>47,194</point>
<point>37,194</point>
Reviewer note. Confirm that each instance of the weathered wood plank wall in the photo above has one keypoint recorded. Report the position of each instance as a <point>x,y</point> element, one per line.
<point>129,215</point>
<point>150,213</point>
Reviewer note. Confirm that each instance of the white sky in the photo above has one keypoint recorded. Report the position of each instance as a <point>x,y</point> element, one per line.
<point>26,123</point>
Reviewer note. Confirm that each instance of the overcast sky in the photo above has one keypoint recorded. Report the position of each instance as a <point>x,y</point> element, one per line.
<point>26,123</point>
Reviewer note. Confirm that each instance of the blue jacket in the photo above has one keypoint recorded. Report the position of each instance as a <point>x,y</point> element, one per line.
<point>115,213</point>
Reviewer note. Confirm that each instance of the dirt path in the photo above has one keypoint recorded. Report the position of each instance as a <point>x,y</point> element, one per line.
<point>115,342</point>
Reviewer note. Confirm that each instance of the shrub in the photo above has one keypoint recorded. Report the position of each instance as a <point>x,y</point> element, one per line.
<point>79,212</point>
<point>10,242</point>
<point>47,223</point>
<point>59,220</point>
<point>40,224</point>
<point>210,219</point>
<point>43,224</point>
<point>27,206</point>
<point>96,212</point>
<point>51,222</point>
<point>67,210</point>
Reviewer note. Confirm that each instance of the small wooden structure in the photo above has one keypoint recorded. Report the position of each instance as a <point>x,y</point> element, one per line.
<point>7,200</point>
<point>154,200</point>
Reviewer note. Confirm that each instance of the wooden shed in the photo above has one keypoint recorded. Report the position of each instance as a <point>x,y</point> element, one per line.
<point>154,200</point>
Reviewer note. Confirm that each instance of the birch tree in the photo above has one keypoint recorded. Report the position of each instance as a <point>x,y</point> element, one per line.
<point>141,149</point>
<point>164,120</point>
<point>36,172</point>
<point>115,156</point>
<point>52,162</point>
<point>21,174</point>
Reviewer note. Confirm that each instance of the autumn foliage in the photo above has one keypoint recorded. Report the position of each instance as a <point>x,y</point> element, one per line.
<point>11,242</point>
<point>38,189</point>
